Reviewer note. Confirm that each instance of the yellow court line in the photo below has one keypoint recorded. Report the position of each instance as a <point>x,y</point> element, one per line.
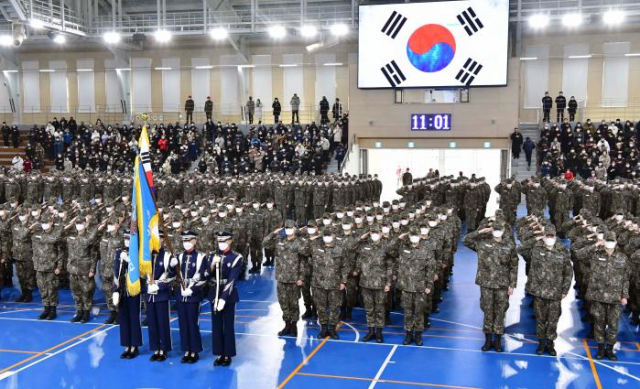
<point>18,351</point>
<point>51,348</point>
<point>638,346</point>
<point>384,381</point>
<point>593,365</point>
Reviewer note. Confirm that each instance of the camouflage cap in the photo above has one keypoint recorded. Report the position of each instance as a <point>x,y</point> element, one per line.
<point>45,219</point>
<point>346,220</point>
<point>289,224</point>
<point>328,231</point>
<point>375,228</point>
<point>312,223</point>
<point>549,230</point>
<point>610,236</point>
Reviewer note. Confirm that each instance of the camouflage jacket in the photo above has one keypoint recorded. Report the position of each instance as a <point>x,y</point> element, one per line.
<point>109,244</point>
<point>416,268</point>
<point>608,276</point>
<point>290,253</point>
<point>46,255</point>
<point>550,273</point>
<point>374,266</point>
<point>497,261</point>
<point>80,248</point>
<point>21,245</point>
<point>327,266</point>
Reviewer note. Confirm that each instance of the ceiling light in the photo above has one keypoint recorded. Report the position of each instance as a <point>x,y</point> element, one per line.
<point>163,36</point>
<point>632,55</point>
<point>218,33</point>
<point>84,70</point>
<point>203,67</point>
<point>36,23</point>
<point>580,56</point>
<point>572,20</point>
<point>60,39</point>
<point>309,31</point>
<point>314,46</point>
<point>339,29</point>
<point>288,65</point>
<point>47,70</point>
<point>613,17</point>
<point>11,71</point>
<point>162,68</point>
<point>111,37</point>
<point>528,58</point>
<point>6,40</point>
<point>246,66</point>
<point>123,69</point>
<point>277,32</point>
<point>333,64</point>
<point>538,21</point>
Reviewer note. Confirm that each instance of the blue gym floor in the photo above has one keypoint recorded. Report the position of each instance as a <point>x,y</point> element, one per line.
<point>47,354</point>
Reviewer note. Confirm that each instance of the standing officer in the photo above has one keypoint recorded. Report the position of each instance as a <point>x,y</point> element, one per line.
<point>607,287</point>
<point>547,103</point>
<point>374,267</point>
<point>289,273</point>
<point>189,106</point>
<point>497,275</point>
<point>561,104</point>
<point>129,306</point>
<point>272,220</point>
<point>573,108</point>
<point>22,255</point>
<point>208,108</point>
<point>549,281</point>
<point>48,264</point>
<point>157,299</point>
<point>195,272</point>
<point>295,108</point>
<point>110,242</point>
<point>251,108</point>
<point>256,229</point>
<point>225,269</point>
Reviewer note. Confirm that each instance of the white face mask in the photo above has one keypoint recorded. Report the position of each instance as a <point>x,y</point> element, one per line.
<point>395,224</point>
<point>497,234</point>
<point>327,239</point>
<point>109,209</point>
<point>46,226</point>
<point>288,231</point>
<point>175,224</point>
<point>385,230</point>
<point>2,213</point>
<point>428,202</point>
<point>311,230</point>
<point>79,227</point>
<point>222,214</point>
<point>402,205</point>
<point>350,214</point>
<point>385,210</point>
<point>126,243</point>
<point>98,201</point>
<point>61,214</point>
<point>339,215</point>
<point>194,214</point>
<point>326,222</point>
<point>404,222</point>
<point>346,227</point>
<point>432,223</point>
<point>610,245</point>
<point>359,220</point>
<point>111,228</point>
<point>443,217</point>
<point>367,208</point>
<point>34,213</point>
<point>256,206</point>
<point>231,207</point>
<point>600,236</point>
<point>205,219</point>
<point>369,219</point>
<point>549,241</point>
<point>378,217</point>
<point>618,217</point>
<point>375,237</point>
<point>424,231</point>
<point>414,239</point>
<point>187,245</point>
<point>270,206</point>
<point>125,198</point>
<point>22,218</point>
<point>394,207</point>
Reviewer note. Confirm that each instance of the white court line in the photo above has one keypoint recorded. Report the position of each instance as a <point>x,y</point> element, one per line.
<point>49,355</point>
<point>20,310</point>
<point>354,330</point>
<point>384,366</point>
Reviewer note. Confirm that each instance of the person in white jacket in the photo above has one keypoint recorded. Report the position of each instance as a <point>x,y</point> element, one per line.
<point>16,163</point>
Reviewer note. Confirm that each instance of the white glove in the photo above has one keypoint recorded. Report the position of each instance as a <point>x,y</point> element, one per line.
<point>124,256</point>
<point>196,278</point>
<point>116,298</point>
<point>220,305</point>
<point>187,292</point>
<point>153,289</point>
<point>216,259</point>
<point>173,262</point>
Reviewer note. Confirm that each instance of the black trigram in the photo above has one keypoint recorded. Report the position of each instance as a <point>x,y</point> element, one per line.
<point>470,21</point>
<point>469,71</point>
<point>393,73</point>
<point>394,24</point>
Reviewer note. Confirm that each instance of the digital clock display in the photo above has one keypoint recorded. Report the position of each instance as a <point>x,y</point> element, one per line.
<point>431,122</point>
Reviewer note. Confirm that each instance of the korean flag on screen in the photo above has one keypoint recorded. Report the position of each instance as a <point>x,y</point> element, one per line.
<point>438,44</point>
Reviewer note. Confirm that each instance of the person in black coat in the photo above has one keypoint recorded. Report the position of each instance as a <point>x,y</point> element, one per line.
<point>561,104</point>
<point>189,106</point>
<point>277,109</point>
<point>208,108</point>
<point>547,103</point>
<point>516,143</point>
<point>573,108</point>
<point>324,110</point>
<point>528,148</point>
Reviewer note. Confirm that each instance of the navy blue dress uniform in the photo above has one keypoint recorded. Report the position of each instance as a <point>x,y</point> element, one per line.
<point>128,306</point>
<point>157,295</point>
<point>225,269</point>
<point>194,269</point>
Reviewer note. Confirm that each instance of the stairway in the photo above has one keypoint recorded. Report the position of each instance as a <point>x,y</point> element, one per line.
<point>519,166</point>
<point>7,153</point>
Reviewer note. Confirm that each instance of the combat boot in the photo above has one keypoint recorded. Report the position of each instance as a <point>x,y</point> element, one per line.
<point>610,354</point>
<point>427,323</point>
<point>370,335</point>
<point>28,296</point>
<point>600,353</point>
<point>308,312</point>
<point>387,318</point>
<point>408,338</point>
<point>112,318</point>
<point>52,313</point>
<point>44,313</point>
<point>293,329</point>
<point>379,335</point>
<point>333,334</point>
<point>487,343</point>
<point>324,332</point>
<point>286,330</point>
<point>635,318</point>
<point>418,338</point>
<point>78,316</point>
<point>497,344</point>
<point>85,317</point>
<point>541,347</point>
<point>551,348</point>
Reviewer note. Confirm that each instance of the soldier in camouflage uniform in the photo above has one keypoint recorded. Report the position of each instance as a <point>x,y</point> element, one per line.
<point>497,276</point>
<point>82,267</point>
<point>328,279</point>
<point>608,287</point>
<point>110,242</point>
<point>272,220</point>
<point>301,198</point>
<point>255,229</point>
<point>320,199</point>
<point>415,271</point>
<point>6,240</point>
<point>289,273</point>
<point>22,255</point>
<point>48,264</point>
<point>375,270</point>
<point>310,239</point>
<point>549,282</point>
<point>350,242</point>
